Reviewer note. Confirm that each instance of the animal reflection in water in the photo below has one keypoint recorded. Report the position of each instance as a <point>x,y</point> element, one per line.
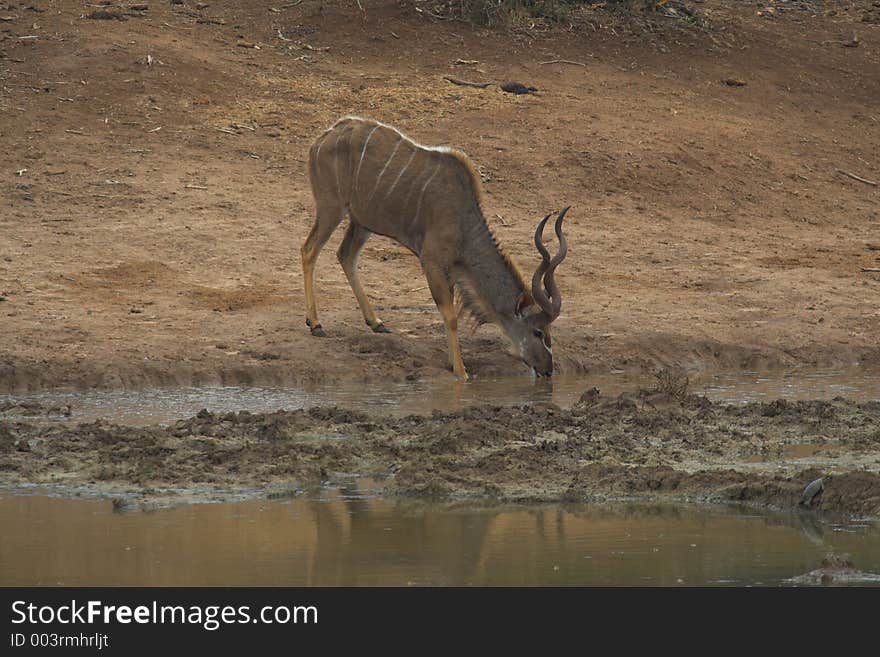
<point>429,200</point>
<point>421,535</point>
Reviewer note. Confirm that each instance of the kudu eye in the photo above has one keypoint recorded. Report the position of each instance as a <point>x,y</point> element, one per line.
<point>538,333</point>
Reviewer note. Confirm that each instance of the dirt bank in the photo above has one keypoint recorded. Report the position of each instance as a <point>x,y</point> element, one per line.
<point>153,191</point>
<point>647,445</point>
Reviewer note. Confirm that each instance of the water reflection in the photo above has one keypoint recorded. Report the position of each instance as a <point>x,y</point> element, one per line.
<point>344,537</point>
<point>162,405</point>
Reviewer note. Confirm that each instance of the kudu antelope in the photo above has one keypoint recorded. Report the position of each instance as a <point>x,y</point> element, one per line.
<point>429,200</point>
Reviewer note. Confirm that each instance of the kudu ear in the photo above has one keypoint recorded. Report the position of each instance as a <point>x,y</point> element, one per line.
<point>523,301</point>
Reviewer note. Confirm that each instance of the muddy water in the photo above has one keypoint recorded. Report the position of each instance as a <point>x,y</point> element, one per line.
<point>342,537</point>
<point>162,405</point>
<point>351,537</point>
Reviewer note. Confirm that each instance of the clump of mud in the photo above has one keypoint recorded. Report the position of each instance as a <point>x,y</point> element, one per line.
<point>653,444</point>
<point>32,409</point>
<point>836,570</point>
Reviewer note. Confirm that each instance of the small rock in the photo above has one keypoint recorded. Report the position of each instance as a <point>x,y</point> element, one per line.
<point>517,88</point>
<point>590,397</point>
<point>104,15</point>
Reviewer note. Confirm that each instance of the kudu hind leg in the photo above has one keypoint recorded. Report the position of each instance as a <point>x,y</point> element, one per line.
<point>442,291</point>
<point>328,218</point>
<point>355,238</point>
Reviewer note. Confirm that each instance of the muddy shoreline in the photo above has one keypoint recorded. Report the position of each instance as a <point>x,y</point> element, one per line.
<point>644,445</point>
<point>405,358</point>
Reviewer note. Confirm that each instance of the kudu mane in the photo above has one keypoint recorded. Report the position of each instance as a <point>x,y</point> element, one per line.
<point>478,295</point>
<point>482,251</point>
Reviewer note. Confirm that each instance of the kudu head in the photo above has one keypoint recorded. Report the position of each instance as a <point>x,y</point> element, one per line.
<point>530,330</point>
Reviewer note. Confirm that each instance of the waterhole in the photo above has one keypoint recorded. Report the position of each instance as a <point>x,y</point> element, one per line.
<point>344,537</point>
<point>350,536</point>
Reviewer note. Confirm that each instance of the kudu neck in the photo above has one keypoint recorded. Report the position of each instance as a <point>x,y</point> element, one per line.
<point>494,279</point>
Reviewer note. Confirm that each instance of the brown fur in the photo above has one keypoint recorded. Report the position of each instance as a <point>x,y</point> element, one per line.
<point>428,199</point>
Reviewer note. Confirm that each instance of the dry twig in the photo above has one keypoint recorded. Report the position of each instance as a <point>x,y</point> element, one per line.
<point>563,61</point>
<point>465,83</point>
<point>859,178</point>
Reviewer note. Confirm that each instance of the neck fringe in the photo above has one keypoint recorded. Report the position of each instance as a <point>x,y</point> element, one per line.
<point>470,299</point>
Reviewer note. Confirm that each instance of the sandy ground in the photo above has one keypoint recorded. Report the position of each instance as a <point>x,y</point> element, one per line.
<point>649,445</point>
<point>153,192</point>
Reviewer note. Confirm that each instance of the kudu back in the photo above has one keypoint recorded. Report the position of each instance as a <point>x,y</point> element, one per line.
<point>429,200</point>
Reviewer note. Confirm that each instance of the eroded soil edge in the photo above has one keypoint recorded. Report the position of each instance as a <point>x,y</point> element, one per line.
<point>645,445</point>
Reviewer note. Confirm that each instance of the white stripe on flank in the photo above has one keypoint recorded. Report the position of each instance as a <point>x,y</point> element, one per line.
<point>321,142</point>
<point>396,180</point>
<point>382,172</point>
<point>424,187</point>
<point>336,163</point>
<point>361,161</point>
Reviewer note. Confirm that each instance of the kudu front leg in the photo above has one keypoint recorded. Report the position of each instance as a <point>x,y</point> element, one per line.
<point>441,290</point>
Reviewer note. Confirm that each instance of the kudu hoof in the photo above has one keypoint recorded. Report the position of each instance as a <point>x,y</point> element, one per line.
<point>380,328</point>
<point>318,331</point>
